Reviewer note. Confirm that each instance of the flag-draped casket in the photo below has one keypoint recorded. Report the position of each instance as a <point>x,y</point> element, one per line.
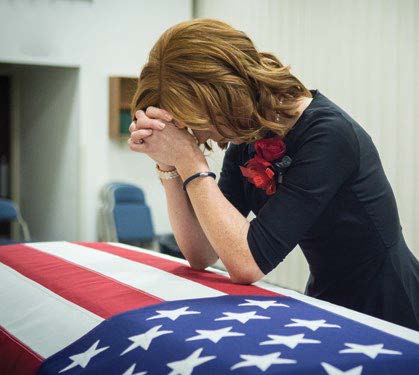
<point>116,309</point>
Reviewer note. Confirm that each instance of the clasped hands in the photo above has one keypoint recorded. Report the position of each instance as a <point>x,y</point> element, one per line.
<point>155,134</point>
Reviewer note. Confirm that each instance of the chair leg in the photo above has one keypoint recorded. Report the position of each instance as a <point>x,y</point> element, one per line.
<point>25,230</point>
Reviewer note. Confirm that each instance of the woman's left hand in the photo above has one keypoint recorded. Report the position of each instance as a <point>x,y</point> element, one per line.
<point>170,146</point>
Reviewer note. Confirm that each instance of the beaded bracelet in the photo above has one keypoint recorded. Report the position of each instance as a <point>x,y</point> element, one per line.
<point>196,175</point>
<point>166,175</point>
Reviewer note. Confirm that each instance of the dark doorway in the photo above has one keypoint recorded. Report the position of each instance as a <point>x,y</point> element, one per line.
<point>5,122</point>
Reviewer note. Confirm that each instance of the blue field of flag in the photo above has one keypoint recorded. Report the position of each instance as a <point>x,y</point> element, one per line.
<point>237,334</point>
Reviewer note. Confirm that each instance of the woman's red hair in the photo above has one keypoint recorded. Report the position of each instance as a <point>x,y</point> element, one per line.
<point>206,73</point>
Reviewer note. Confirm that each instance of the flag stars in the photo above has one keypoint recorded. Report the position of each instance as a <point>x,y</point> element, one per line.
<point>186,366</point>
<point>173,314</point>
<point>290,341</point>
<point>371,351</point>
<point>314,325</point>
<point>172,341</point>
<point>263,362</point>
<point>331,370</point>
<point>242,317</point>
<point>144,339</point>
<point>263,304</point>
<point>131,370</point>
<point>215,335</point>
<point>83,359</point>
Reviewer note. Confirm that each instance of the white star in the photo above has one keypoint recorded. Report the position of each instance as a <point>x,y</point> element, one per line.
<point>144,339</point>
<point>263,362</point>
<point>369,350</point>
<point>214,335</point>
<point>186,366</point>
<point>83,359</point>
<point>314,325</point>
<point>331,370</point>
<point>173,314</point>
<point>242,317</point>
<point>290,341</point>
<point>130,371</point>
<point>263,304</point>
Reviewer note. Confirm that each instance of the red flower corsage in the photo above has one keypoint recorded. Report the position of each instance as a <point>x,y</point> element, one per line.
<point>259,170</point>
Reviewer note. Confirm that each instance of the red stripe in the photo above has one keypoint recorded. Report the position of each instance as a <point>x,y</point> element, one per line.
<point>95,292</point>
<point>15,357</point>
<point>209,279</point>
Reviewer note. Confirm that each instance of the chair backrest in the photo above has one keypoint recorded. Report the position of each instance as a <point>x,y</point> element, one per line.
<point>8,211</point>
<point>128,194</point>
<point>131,215</point>
<point>106,221</point>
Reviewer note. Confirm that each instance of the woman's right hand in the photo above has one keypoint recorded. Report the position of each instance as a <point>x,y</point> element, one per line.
<point>148,122</point>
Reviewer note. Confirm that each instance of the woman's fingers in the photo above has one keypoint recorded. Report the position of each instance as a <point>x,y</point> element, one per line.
<point>144,122</point>
<point>137,135</point>
<point>138,147</point>
<point>132,127</point>
<point>155,112</point>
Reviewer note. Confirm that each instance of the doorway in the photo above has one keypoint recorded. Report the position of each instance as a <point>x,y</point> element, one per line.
<point>40,107</point>
<point>5,126</point>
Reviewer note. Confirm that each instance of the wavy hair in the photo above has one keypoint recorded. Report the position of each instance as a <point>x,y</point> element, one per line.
<point>206,73</point>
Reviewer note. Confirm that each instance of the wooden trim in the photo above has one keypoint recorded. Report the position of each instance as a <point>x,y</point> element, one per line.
<point>121,90</point>
<point>114,101</point>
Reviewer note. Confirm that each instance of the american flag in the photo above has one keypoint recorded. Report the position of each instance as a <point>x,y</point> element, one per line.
<point>115,309</point>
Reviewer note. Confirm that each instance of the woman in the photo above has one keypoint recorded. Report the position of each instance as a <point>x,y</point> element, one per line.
<point>308,171</point>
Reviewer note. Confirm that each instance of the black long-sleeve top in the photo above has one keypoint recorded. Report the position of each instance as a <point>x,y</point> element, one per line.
<point>337,204</point>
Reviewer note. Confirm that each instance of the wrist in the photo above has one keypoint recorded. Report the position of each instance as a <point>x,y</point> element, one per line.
<point>197,176</point>
<point>165,168</point>
<point>191,164</point>
<point>167,175</point>
<point>187,170</point>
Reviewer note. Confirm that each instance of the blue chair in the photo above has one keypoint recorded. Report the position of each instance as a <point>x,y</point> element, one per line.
<point>106,221</point>
<point>132,216</point>
<point>9,212</point>
<point>125,216</point>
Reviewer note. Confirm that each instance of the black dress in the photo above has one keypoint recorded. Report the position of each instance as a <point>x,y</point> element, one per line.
<point>337,204</point>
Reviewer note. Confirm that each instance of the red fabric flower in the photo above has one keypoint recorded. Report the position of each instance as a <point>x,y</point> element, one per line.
<point>270,149</point>
<point>258,169</point>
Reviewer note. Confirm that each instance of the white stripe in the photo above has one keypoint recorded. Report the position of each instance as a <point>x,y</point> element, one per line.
<point>39,318</point>
<point>150,252</point>
<point>149,279</point>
